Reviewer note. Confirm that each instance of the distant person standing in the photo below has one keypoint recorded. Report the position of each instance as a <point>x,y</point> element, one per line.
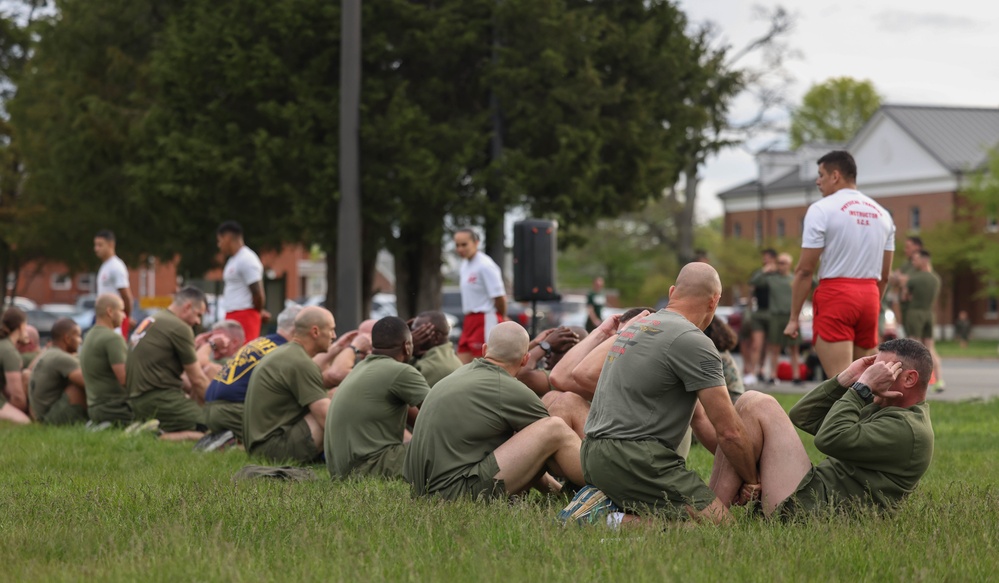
<point>962,328</point>
<point>483,295</point>
<point>112,277</point>
<point>779,285</point>
<point>923,289</point>
<point>855,238</point>
<point>595,302</point>
<point>759,322</point>
<point>243,275</point>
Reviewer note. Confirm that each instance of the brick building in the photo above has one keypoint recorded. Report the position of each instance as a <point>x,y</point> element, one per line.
<point>914,160</point>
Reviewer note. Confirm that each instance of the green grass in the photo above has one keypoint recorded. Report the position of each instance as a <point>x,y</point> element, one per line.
<point>975,349</point>
<point>77,505</point>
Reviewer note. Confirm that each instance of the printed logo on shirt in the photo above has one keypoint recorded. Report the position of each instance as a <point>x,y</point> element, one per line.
<point>711,366</point>
<point>140,331</point>
<point>243,361</point>
<point>862,215</point>
<point>473,278</point>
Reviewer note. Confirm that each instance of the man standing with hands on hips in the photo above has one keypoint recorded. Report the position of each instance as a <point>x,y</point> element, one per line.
<point>855,238</point>
<point>243,275</point>
<point>483,295</point>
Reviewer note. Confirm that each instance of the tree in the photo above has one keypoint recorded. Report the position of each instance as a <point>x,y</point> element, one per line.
<point>833,111</point>
<point>982,248</point>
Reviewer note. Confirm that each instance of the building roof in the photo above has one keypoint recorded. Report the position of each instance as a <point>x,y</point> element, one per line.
<point>960,137</point>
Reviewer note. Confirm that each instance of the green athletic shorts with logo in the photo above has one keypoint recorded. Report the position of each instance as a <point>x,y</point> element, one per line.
<point>174,411</point>
<point>644,477</point>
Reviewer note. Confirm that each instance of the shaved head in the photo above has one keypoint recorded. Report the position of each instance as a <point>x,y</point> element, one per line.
<point>309,317</point>
<point>105,301</point>
<point>437,319</point>
<point>507,343</point>
<point>697,281</point>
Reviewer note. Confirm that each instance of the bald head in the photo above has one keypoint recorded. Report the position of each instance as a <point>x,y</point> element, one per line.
<point>309,317</point>
<point>696,281</point>
<point>507,343</point>
<point>109,309</point>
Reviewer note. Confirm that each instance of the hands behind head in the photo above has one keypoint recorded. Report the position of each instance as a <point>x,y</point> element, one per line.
<point>610,325</point>
<point>879,376</point>
<point>641,315</point>
<point>363,345</point>
<point>423,336</point>
<point>562,339</point>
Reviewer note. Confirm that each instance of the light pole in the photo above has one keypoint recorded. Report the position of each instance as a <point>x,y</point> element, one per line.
<point>348,249</point>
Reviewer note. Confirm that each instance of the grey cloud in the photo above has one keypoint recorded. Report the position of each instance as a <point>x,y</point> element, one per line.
<point>901,21</point>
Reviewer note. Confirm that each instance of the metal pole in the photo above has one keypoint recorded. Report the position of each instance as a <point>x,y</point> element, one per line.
<point>348,250</point>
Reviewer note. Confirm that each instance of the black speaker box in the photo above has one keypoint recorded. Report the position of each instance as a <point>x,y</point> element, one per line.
<point>534,260</point>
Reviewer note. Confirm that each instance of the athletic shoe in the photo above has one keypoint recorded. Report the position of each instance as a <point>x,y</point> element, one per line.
<point>589,506</point>
<point>95,427</point>
<point>139,427</point>
<point>215,441</point>
<point>749,379</point>
<point>939,386</point>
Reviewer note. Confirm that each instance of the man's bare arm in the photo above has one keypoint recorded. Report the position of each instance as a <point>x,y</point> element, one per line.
<point>562,375</point>
<point>119,372</point>
<point>257,291</point>
<point>318,409</point>
<point>127,299</point>
<point>885,273</point>
<point>801,287</point>
<point>198,380</point>
<point>500,304</point>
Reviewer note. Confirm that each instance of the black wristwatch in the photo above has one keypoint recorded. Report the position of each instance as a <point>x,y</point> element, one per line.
<point>863,391</point>
<point>546,347</point>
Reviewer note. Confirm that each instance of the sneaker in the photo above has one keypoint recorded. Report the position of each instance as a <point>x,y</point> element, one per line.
<point>95,427</point>
<point>139,427</point>
<point>797,382</point>
<point>589,506</point>
<point>749,379</point>
<point>939,386</point>
<point>215,441</point>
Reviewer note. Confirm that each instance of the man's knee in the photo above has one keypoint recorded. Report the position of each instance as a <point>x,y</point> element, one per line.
<point>558,402</point>
<point>756,404</point>
<point>556,430</point>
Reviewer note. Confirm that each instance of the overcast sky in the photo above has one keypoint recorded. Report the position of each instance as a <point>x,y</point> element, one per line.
<point>914,51</point>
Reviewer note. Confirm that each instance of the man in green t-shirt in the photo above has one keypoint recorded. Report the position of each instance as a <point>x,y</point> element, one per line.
<point>56,390</point>
<point>923,287</point>
<point>483,434</point>
<point>286,404</point>
<point>873,422</point>
<point>437,356</point>
<point>366,423</point>
<point>656,372</point>
<point>162,352</point>
<point>779,286</point>
<point>102,358</point>
<point>595,302</point>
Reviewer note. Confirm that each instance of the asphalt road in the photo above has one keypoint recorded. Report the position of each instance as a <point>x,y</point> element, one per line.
<point>965,378</point>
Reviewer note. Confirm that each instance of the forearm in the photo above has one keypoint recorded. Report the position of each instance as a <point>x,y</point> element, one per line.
<point>800,288</point>
<point>500,304</point>
<point>739,452</point>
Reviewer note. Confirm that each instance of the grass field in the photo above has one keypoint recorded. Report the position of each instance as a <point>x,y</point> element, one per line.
<point>975,349</point>
<point>103,506</point>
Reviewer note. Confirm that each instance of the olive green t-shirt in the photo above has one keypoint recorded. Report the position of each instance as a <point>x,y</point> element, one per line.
<point>283,385</point>
<point>49,379</point>
<point>780,292</point>
<point>101,349</point>
<point>876,454</point>
<point>466,417</point>
<point>164,344</point>
<point>10,361</point>
<point>924,286</point>
<point>368,411</point>
<point>648,387</point>
<point>437,363</point>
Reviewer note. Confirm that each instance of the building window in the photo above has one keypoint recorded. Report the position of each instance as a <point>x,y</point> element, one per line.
<point>992,224</point>
<point>992,308</point>
<point>61,282</point>
<point>737,230</point>
<point>85,282</point>
<point>758,232</point>
<point>781,230</point>
<point>914,219</point>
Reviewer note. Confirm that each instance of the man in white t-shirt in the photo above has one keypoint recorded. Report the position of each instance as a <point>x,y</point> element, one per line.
<point>855,238</point>
<point>483,295</point>
<point>112,277</point>
<point>243,275</point>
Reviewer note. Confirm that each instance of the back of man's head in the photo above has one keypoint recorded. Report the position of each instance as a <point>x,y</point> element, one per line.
<point>230,227</point>
<point>696,282</point>
<point>61,328</point>
<point>436,319</point>
<point>914,356</point>
<point>191,295</point>
<point>842,161</point>
<point>389,333</point>
<point>105,234</point>
<point>286,319</point>
<point>309,317</point>
<point>232,329</point>
<point>507,343</point>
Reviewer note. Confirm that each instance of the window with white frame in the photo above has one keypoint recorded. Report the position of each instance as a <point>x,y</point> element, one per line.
<point>60,282</point>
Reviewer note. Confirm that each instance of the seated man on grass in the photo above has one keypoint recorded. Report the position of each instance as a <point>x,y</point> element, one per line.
<point>482,434</point>
<point>366,424</point>
<point>56,391</point>
<point>436,357</point>
<point>286,404</point>
<point>873,422</point>
<point>162,352</point>
<point>102,358</point>
<point>218,345</point>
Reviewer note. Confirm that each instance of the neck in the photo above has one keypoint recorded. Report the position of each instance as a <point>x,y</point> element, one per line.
<point>510,368</point>
<point>104,322</point>
<point>307,344</point>
<point>693,316</point>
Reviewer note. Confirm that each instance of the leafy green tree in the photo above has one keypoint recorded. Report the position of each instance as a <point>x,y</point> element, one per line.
<point>981,245</point>
<point>833,110</point>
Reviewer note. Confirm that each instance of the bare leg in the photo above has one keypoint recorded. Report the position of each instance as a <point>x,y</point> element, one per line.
<point>11,413</point>
<point>795,360</point>
<point>465,357</point>
<point>834,356</point>
<point>758,348</point>
<point>545,442</point>
<point>783,461</point>
<point>773,350</point>
<point>182,436</point>
<point>569,407</point>
<point>317,430</point>
<point>76,396</point>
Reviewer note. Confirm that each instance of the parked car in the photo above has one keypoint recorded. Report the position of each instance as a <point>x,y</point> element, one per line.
<point>383,305</point>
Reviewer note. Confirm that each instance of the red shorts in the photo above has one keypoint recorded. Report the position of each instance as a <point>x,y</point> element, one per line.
<point>124,327</point>
<point>847,309</point>
<point>473,333</point>
<point>249,319</point>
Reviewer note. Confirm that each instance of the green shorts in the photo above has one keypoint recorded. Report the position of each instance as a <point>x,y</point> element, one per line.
<point>117,413</point>
<point>223,415</point>
<point>760,321</point>
<point>62,412</point>
<point>478,482</point>
<point>775,332</point>
<point>174,411</point>
<point>809,496</point>
<point>645,477</point>
<point>918,323</point>
<point>291,443</point>
<point>388,463</point>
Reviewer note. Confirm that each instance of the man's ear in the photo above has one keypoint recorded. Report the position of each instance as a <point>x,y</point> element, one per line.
<point>485,349</point>
<point>523,361</point>
<point>911,378</point>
